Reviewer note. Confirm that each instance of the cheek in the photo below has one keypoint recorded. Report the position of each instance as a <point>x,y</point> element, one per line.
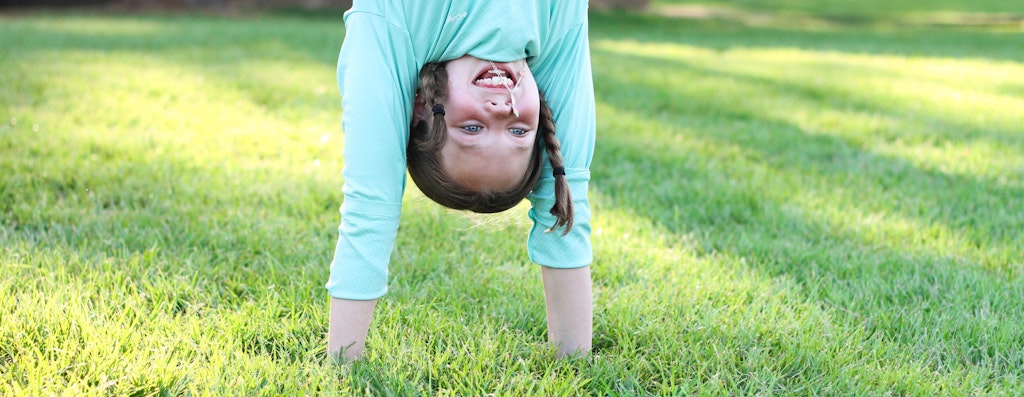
<point>531,110</point>
<point>457,98</point>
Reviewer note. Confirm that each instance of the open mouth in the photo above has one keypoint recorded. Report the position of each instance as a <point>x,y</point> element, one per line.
<point>499,76</point>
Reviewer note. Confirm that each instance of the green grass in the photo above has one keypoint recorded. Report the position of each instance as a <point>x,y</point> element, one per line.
<point>818,13</point>
<point>853,7</point>
<point>861,8</point>
<point>778,211</point>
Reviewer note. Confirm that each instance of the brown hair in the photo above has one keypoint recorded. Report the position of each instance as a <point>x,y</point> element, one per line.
<point>424,159</point>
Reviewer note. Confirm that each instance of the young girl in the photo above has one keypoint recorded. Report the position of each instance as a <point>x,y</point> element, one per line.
<point>482,135</point>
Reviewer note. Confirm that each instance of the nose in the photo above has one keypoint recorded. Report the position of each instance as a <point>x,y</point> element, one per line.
<point>499,107</point>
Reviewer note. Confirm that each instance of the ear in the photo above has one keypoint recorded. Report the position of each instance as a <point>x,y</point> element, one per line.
<point>419,109</point>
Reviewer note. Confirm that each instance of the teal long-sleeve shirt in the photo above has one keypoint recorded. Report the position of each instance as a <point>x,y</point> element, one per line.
<point>386,44</point>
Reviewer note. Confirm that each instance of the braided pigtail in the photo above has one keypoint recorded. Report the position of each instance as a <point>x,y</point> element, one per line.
<point>563,198</point>
<point>434,91</point>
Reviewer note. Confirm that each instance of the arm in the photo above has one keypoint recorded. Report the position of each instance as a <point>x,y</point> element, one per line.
<point>376,77</point>
<point>349,324</point>
<point>564,75</point>
<point>570,311</point>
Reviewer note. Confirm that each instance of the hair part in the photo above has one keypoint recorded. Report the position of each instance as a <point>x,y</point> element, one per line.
<point>424,159</point>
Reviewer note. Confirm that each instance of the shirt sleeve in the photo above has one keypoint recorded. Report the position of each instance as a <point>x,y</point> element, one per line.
<point>565,78</point>
<point>376,76</point>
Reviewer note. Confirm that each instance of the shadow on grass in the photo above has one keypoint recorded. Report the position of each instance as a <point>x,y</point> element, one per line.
<point>724,34</point>
<point>794,149</point>
<point>743,180</point>
<point>837,20</point>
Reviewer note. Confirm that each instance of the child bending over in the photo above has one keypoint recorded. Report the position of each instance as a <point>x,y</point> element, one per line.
<point>451,91</point>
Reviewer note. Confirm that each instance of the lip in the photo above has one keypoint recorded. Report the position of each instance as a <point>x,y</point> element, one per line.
<point>485,72</point>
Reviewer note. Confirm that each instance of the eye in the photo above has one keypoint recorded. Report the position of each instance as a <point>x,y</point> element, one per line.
<point>472,129</point>
<point>518,131</point>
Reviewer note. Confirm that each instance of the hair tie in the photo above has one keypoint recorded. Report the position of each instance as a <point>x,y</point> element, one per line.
<point>558,171</point>
<point>438,109</point>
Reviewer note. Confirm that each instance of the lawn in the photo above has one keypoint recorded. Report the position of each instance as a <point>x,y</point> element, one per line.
<point>813,207</point>
<point>865,11</point>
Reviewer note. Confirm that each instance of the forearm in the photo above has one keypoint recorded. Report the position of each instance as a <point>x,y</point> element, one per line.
<point>349,324</point>
<point>570,311</point>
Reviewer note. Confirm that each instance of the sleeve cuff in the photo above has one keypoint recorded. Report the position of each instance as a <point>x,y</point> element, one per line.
<point>551,248</point>
<point>359,270</point>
